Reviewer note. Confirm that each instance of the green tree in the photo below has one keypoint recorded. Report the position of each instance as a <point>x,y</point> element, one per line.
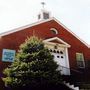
<point>33,67</point>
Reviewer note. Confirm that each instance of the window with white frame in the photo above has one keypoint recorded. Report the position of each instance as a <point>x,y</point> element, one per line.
<point>80,60</point>
<point>54,31</point>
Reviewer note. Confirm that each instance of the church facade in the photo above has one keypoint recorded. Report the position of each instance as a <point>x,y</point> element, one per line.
<point>69,51</point>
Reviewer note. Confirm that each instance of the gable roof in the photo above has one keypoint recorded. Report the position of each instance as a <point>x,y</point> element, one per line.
<point>40,22</point>
<point>24,27</point>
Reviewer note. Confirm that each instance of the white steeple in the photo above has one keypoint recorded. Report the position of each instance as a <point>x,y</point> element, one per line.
<point>43,14</point>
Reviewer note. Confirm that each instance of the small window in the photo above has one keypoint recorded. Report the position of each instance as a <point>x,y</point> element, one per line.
<point>55,47</point>
<point>39,16</point>
<point>80,60</point>
<point>61,52</point>
<point>62,57</point>
<point>46,15</point>
<point>50,50</point>
<point>57,51</point>
<point>54,31</point>
<point>54,51</point>
<point>58,56</point>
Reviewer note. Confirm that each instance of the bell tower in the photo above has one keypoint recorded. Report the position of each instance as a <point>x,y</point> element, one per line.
<point>43,13</point>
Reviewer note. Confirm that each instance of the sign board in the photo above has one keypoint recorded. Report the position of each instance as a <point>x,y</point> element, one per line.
<point>8,55</point>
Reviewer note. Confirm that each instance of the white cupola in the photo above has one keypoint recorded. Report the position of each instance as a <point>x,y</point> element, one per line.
<point>43,13</point>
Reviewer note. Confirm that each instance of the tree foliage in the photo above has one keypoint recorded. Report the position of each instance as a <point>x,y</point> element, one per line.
<point>32,67</point>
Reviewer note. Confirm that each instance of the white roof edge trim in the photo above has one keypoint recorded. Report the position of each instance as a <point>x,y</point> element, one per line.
<point>89,46</point>
<point>40,22</point>
<point>24,27</point>
<point>56,38</point>
<point>72,33</point>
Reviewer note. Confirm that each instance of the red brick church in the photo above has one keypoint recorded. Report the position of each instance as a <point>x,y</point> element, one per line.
<point>69,51</point>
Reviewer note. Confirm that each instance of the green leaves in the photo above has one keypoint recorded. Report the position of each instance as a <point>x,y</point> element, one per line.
<point>33,65</point>
<point>32,45</point>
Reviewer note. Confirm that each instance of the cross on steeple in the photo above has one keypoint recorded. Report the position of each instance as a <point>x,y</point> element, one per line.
<point>44,14</point>
<point>43,4</point>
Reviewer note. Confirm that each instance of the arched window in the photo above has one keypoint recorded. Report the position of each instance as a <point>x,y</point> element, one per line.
<point>62,57</point>
<point>61,52</point>
<point>54,51</point>
<point>54,31</point>
<point>50,50</point>
<point>57,51</point>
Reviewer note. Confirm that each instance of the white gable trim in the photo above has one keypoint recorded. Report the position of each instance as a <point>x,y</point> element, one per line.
<point>72,33</point>
<point>59,40</point>
<point>40,22</point>
<point>24,27</point>
<point>54,44</point>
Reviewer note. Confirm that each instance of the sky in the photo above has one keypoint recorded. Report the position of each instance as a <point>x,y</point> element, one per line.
<point>74,14</point>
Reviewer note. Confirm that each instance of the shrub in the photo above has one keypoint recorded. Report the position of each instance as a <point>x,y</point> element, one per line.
<point>33,67</point>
